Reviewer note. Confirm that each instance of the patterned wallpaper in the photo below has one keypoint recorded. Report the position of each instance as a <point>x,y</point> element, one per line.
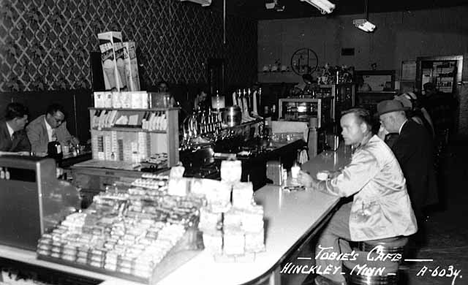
<point>45,44</point>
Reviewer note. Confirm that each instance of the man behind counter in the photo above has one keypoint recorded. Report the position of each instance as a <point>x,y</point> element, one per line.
<point>381,207</point>
<point>12,135</point>
<point>49,127</point>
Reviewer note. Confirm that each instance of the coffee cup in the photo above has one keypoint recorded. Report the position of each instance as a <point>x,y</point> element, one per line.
<point>323,175</point>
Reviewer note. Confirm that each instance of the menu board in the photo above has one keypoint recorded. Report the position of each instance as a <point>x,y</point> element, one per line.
<point>408,70</point>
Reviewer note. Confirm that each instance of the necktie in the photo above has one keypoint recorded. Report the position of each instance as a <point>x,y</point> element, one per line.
<point>13,136</point>
<point>54,135</point>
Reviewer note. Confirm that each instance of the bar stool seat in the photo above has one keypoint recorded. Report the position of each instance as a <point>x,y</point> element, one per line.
<point>376,262</point>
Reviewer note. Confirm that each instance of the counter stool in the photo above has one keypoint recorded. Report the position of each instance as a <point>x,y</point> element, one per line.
<point>377,262</point>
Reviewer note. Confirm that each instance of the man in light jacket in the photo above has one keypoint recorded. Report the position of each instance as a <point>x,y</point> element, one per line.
<point>381,207</point>
<point>47,128</point>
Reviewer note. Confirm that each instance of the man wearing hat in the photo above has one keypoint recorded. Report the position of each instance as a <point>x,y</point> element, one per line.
<point>417,113</point>
<point>414,152</point>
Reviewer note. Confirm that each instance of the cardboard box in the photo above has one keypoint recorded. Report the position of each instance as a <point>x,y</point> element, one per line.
<point>120,63</point>
<point>107,42</point>
<point>99,99</point>
<point>131,66</point>
<point>108,99</point>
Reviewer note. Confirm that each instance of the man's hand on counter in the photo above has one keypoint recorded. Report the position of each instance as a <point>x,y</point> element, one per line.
<point>308,181</point>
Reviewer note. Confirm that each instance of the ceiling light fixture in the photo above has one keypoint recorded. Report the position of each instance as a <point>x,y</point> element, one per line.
<point>274,5</point>
<point>204,3</point>
<point>324,6</point>
<point>364,24</point>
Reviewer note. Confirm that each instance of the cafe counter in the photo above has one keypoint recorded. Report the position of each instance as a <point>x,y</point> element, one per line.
<point>291,218</point>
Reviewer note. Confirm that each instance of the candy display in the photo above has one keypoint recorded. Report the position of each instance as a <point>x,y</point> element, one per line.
<point>125,231</point>
<point>131,229</point>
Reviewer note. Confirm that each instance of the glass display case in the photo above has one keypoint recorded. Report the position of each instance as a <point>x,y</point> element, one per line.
<point>305,109</point>
<point>343,95</point>
<point>369,100</point>
<point>32,196</point>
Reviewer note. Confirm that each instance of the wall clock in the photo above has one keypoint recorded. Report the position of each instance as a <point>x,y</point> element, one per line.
<point>304,60</point>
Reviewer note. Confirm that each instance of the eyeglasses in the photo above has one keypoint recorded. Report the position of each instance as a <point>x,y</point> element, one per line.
<point>58,121</point>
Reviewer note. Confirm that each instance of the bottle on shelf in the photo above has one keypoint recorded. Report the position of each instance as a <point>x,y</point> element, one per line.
<point>274,115</point>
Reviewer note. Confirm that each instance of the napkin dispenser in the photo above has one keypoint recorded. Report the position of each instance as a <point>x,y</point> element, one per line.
<point>274,171</point>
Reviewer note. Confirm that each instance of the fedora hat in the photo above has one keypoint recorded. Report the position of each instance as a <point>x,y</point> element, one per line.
<point>388,106</point>
<point>405,101</point>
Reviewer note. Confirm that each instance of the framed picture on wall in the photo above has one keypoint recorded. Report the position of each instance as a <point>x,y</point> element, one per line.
<point>375,80</point>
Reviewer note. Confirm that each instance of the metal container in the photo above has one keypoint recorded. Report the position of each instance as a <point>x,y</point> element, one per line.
<point>232,116</point>
<point>333,141</point>
<point>274,172</point>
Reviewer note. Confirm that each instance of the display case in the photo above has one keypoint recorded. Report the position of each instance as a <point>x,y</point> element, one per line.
<point>305,109</point>
<point>135,135</point>
<point>343,97</point>
<point>374,86</point>
<point>139,231</point>
<point>369,100</point>
<point>32,200</point>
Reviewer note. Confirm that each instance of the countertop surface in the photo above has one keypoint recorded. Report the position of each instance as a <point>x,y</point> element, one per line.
<point>289,218</point>
<point>328,160</point>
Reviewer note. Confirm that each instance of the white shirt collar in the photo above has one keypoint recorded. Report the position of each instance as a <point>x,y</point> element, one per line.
<point>49,129</point>
<point>401,127</point>
<point>10,130</point>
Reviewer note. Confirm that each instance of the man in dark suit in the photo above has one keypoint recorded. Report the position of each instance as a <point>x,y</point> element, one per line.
<point>413,149</point>
<point>13,137</point>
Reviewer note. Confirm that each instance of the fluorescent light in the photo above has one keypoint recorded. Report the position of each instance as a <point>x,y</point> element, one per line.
<point>364,25</point>
<point>325,6</point>
<point>270,5</point>
<point>274,5</point>
<point>204,3</point>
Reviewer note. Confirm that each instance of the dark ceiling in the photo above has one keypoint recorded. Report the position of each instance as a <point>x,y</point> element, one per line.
<point>297,9</point>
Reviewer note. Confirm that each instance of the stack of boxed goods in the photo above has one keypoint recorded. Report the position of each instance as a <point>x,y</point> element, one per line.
<point>231,222</point>
<point>121,99</point>
<point>131,66</point>
<point>126,232</point>
<point>131,147</point>
<point>119,62</point>
<point>142,131</point>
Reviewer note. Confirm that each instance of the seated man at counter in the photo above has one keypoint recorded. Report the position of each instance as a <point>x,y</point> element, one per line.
<point>12,135</point>
<point>381,207</point>
<point>49,127</point>
<point>413,149</point>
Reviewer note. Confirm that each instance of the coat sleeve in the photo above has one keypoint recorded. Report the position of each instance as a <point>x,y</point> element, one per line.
<point>66,136</point>
<point>34,136</point>
<point>23,144</point>
<point>354,177</point>
<point>403,150</point>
